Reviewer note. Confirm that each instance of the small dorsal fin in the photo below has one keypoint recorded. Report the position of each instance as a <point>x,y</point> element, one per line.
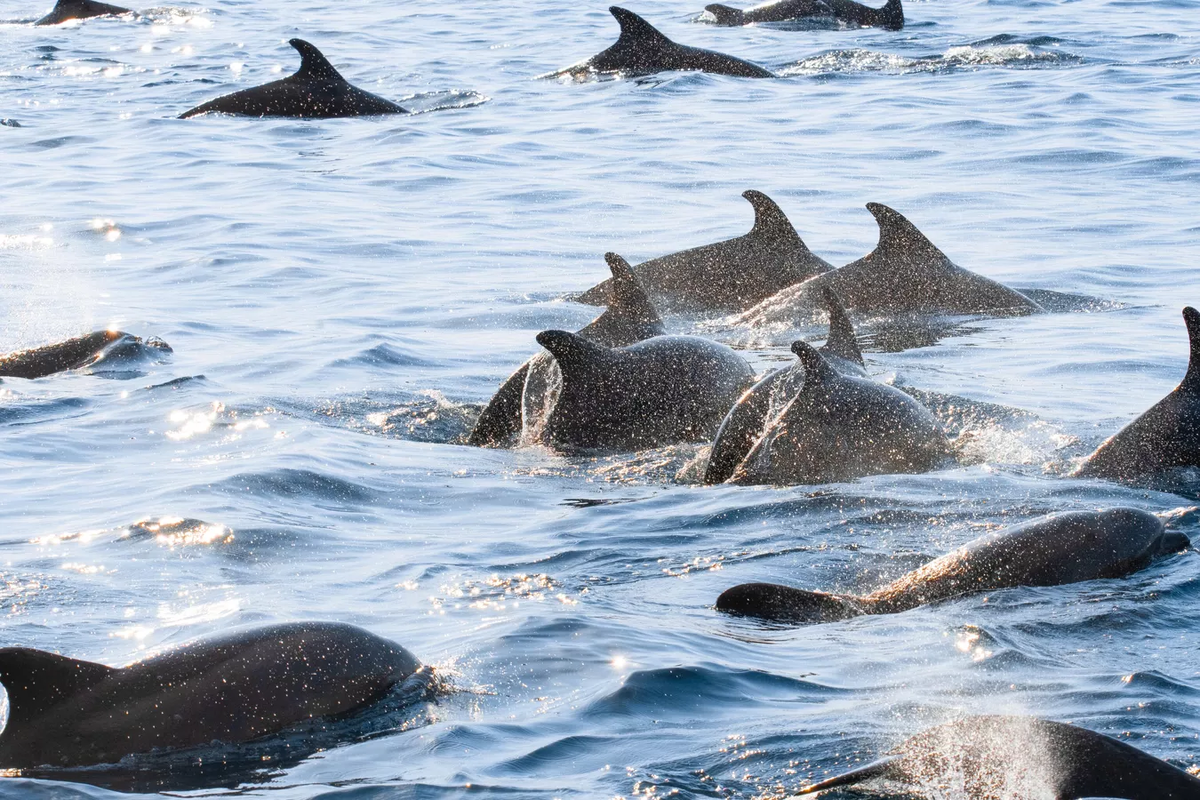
<point>36,681</point>
<point>891,16</point>
<point>769,219</point>
<point>725,15</point>
<point>897,233</point>
<point>1191,381</point>
<point>626,295</point>
<point>842,340</point>
<point>314,66</point>
<point>634,29</point>
<point>816,368</point>
<point>571,350</point>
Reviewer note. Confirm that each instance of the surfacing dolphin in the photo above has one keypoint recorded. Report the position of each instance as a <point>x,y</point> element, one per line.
<point>77,353</point>
<point>732,275</point>
<point>748,418</point>
<point>1166,436</point>
<point>979,758</point>
<point>642,50</point>
<point>1048,551</point>
<point>66,10</point>
<point>905,274</point>
<point>233,688</point>
<point>890,16</point>
<point>630,318</point>
<point>315,91</point>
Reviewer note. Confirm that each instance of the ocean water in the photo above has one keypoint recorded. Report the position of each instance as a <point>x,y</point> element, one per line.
<point>342,297</point>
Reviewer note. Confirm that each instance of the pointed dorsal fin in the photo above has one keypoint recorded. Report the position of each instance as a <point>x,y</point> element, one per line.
<point>1191,381</point>
<point>842,340</point>
<point>571,350</point>
<point>634,29</point>
<point>314,66</point>
<point>816,368</point>
<point>891,16</point>
<point>36,681</point>
<point>769,219</point>
<point>626,295</point>
<point>896,233</point>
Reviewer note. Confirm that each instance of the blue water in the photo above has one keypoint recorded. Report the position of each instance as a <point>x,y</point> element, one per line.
<point>342,296</point>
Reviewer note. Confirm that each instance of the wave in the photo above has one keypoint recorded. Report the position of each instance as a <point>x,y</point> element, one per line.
<point>965,57</point>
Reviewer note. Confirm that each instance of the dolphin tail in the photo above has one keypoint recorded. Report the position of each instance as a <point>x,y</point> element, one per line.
<point>36,681</point>
<point>1191,381</point>
<point>878,769</point>
<point>891,16</point>
<point>842,341</point>
<point>785,604</point>
<point>726,15</point>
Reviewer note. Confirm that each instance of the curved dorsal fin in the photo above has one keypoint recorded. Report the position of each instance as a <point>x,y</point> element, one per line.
<point>1191,381</point>
<point>769,219</point>
<point>634,29</point>
<point>36,681</point>
<point>842,341</point>
<point>896,233</point>
<point>626,295</point>
<point>816,368</point>
<point>314,66</point>
<point>571,350</point>
<point>891,16</point>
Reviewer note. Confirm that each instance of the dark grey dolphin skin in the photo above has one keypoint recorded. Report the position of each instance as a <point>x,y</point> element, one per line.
<point>630,318</point>
<point>747,420</point>
<point>315,91</point>
<point>732,275</point>
<point>642,50</point>
<point>82,351</point>
<point>1166,436</point>
<point>1024,757</point>
<point>233,688</point>
<point>905,273</point>
<point>890,16</point>
<point>841,427</point>
<point>661,391</point>
<point>1048,551</point>
<point>66,10</point>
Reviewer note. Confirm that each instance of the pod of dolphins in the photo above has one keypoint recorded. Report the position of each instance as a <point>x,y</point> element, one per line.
<point>624,383</point>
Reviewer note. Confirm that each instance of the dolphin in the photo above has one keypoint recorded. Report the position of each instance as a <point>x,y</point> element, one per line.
<point>642,50</point>
<point>837,428</point>
<point>1166,436</point>
<point>992,756</point>
<point>747,420</point>
<point>66,10</point>
<point>890,16</point>
<point>77,353</point>
<point>233,688</point>
<point>630,318</point>
<point>661,391</point>
<point>728,276</point>
<point>905,274</point>
<point>315,91</point>
<point>1048,551</point>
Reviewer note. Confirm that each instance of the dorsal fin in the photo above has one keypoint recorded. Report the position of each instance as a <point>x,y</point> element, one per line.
<point>891,16</point>
<point>842,341</point>
<point>769,219</point>
<point>314,66</point>
<point>571,350</point>
<point>896,233</point>
<point>816,368</point>
<point>626,295</point>
<point>635,30</point>
<point>36,681</point>
<point>1191,381</point>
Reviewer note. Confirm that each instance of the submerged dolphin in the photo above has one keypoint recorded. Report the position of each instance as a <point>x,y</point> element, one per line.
<point>1049,551</point>
<point>905,273</point>
<point>630,318</point>
<point>233,688</point>
<point>890,16</point>
<point>66,10</point>
<point>642,50</point>
<point>315,91</point>
<point>748,418</point>
<point>1166,436</point>
<point>82,351</point>
<point>731,275</point>
<point>978,758</point>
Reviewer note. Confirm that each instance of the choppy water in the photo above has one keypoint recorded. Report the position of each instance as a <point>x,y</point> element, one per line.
<point>343,295</point>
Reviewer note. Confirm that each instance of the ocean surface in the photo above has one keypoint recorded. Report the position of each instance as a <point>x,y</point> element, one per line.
<point>342,297</point>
